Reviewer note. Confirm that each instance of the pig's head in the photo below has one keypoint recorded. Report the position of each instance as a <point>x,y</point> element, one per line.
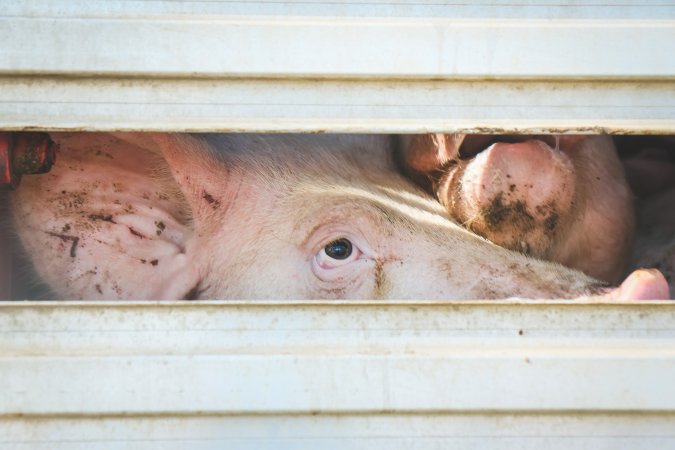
<point>559,198</point>
<point>263,217</point>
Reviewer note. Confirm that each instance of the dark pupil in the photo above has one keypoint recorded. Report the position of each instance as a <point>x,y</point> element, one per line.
<point>339,249</point>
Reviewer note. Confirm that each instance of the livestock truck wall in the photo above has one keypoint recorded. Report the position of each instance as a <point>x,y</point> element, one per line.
<point>340,374</point>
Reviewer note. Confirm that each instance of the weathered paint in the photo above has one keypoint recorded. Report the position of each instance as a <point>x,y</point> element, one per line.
<point>495,9</point>
<point>338,375</point>
<point>463,431</point>
<point>387,106</point>
<point>365,370</point>
<point>312,66</point>
<point>340,44</point>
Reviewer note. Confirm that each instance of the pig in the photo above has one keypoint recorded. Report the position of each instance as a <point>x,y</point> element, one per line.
<point>246,216</point>
<point>561,198</point>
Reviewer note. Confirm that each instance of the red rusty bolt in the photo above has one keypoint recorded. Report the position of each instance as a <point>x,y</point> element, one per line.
<point>33,153</point>
<point>24,154</point>
<point>8,178</point>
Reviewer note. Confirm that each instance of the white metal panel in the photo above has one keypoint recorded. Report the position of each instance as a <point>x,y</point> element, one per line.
<point>376,66</point>
<point>335,105</point>
<point>347,374</point>
<point>462,9</point>
<point>323,39</point>
<point>334,47</point>
<point>345,432</point>
<point>190,375</point>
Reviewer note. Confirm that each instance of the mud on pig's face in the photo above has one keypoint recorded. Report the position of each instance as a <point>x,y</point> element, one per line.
<point>560,198</point>
<point>258,217</point>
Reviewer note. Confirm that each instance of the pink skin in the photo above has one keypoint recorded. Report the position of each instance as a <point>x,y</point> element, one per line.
<point>641,284</point>
<point>559,198</point>
<point>166,216</point>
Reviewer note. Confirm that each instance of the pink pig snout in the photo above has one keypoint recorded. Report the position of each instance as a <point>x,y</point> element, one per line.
<point>518,194</point>
<point>558,198</point>
<point>642,284</point>
<point>530,172</point>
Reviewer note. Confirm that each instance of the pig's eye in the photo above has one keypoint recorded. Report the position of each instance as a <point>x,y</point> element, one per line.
<point>339,249</point>
<point>337,253</point>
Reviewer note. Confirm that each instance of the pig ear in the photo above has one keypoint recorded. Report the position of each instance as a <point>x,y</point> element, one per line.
<point>195,166</point>
<point>105,224</point>
<point>201,175</point>
<point>425,153</point>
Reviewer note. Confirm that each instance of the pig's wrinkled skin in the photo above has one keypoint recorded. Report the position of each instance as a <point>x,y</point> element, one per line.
<point>165,216</point>
<point>559,198</point>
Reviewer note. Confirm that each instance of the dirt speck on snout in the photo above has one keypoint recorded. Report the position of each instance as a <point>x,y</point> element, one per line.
<point>499,214</point>
<point>551,216</point>
<point>551,222</point>
<point>513,225</point>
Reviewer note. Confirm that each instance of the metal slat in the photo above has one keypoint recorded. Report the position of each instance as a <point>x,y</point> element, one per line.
<point>372,66</point>
<point>387,106</point>
<point>343,375</point>
<point>338,375</point>
<point>372,358</point>
<point>344,432</point>
<point>334,47</point>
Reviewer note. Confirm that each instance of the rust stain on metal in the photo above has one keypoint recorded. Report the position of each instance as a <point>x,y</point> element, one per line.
<point>34,153</point>
<point>24,154</point>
